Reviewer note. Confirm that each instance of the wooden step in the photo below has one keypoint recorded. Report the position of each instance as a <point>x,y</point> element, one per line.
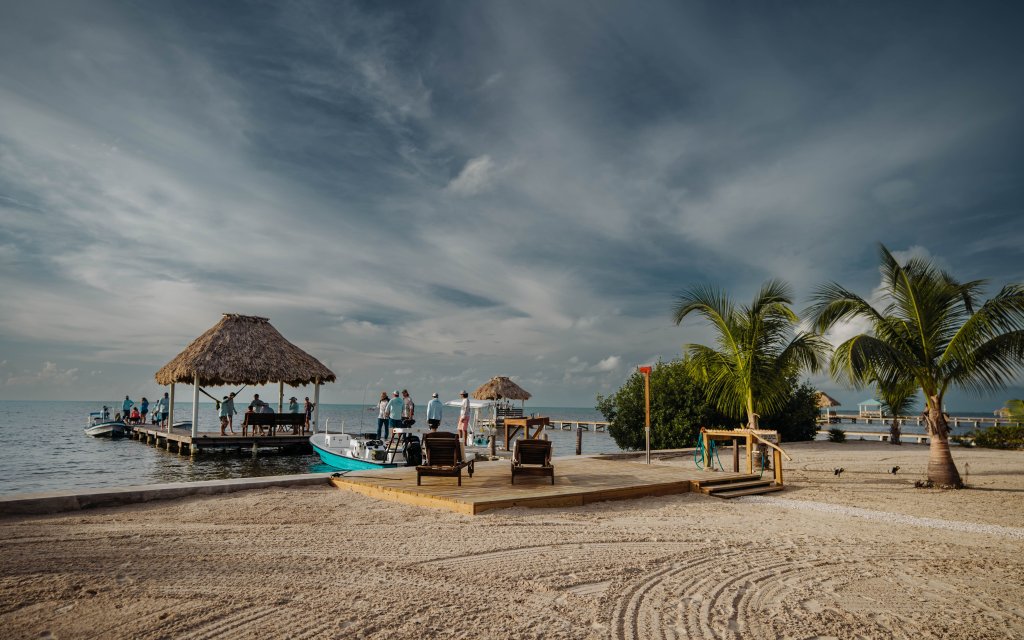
<point>736,485</point>
<point>713,481</point>
<point>754,491</point>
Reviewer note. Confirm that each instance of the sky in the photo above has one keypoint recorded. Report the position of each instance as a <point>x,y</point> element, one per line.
<point>426,195</point>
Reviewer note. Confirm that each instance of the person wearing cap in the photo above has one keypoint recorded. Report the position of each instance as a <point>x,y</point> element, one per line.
<point>434,413</point>
<point>293,405</point>
<point>227,408</point>
<point>394,413</point>
<point>464,418</point>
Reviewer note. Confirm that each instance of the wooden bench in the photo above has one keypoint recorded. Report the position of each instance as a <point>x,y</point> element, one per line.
<point>271,421</point>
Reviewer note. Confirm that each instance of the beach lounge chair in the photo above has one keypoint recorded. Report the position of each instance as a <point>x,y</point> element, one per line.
<point>444,457</point>
<point>532,457</point>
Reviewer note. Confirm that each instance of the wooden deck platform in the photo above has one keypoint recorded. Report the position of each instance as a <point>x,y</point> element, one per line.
<point>181,440</point>
<point>578,481</point>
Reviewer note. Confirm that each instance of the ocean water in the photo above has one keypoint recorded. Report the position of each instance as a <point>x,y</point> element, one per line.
<point>43,447</point>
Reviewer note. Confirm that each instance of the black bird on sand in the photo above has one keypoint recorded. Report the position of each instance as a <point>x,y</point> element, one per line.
<point>838,471</point>
<point>894,470</point>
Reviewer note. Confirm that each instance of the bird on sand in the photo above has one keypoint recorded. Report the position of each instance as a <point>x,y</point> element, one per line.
<point>838,471</point>
<point>894,470</point>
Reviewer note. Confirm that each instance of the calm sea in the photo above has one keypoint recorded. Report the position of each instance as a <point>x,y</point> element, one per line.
<point>43,447</point>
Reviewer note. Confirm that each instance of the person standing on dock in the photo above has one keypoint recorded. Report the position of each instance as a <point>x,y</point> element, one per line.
<point>408,409</point>
<point>293,405</point>
<point>143,409</point>
<point>464,418</point>
<point>394,413</point>
<point>164,406</point>
<point>126,406</point>
<point>227,408</point>
<point>308,409</point>
<point>382,410</point>
<point>434,413</point>
<point>256,406</point>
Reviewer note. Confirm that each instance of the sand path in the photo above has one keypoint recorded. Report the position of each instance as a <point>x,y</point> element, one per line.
<point>320,562</point>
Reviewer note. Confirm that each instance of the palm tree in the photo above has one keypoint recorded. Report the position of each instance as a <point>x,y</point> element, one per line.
<point>898,399</point>
<point>932,330</point>
<point>758,350</point>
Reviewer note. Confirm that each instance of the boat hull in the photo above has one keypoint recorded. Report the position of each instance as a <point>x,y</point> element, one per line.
<point>346,463</point>
<point>106,430</point>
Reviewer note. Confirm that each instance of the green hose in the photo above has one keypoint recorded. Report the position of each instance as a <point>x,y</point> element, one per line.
<point>698,455</point>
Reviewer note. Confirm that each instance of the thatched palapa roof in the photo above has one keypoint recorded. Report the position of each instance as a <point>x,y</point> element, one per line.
<point>501,387</point>
<point>243,350</point>
<point>825,400</point>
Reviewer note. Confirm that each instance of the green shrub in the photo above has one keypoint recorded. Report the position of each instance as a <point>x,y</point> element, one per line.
<point>1000,437</point>
<point>836,435</point>
<point>680,407</point>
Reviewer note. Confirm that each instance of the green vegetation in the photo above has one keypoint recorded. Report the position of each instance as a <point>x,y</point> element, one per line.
<point>680,406</point>
<point>898,398</point>
<point>932,329</point>
<point>836,435</point>
<point>750,373</point>
<point>1001,437</point>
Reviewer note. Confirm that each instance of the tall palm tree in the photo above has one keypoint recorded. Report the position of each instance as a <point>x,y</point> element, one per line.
<point>898,399</point>
<point>758,348</point>
<point>933,330</point>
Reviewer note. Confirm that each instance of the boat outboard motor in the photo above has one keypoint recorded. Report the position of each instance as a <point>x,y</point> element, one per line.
<point>413,453</point>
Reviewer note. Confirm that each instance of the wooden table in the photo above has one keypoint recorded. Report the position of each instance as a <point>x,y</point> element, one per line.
<point>513,426</point>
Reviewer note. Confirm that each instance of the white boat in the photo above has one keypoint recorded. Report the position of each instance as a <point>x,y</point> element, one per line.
<point>348,451</point>
<point>99,425</point>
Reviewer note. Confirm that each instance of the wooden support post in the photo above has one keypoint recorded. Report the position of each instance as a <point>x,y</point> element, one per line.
<point>280,397</point>
<point>170,410</point>
<point>750,453</point>
<point>255,449</point>
<point>316,407</point>
<point>195,405</point>
<point>777,459</point>
<point>492,445</point>
<point>579,442</point>
<point>736,455</point>
<point>707,450</point>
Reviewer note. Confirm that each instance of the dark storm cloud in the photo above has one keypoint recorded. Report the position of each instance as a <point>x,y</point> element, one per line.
<point>456,190</point>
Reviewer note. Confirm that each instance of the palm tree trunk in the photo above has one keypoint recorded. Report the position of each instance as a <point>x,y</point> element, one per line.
<point>894,431</point>
<point>941,468</point>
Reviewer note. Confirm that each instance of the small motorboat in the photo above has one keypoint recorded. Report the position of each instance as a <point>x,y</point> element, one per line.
<point>349,452</point>
<point>99,425</point>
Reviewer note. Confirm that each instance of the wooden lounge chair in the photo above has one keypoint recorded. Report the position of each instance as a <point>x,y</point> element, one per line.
<point>444,458</point>
<point>532,457</point>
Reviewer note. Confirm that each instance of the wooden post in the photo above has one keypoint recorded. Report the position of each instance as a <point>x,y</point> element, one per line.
<point>579,441</point>
<point>646,371</point>
<point>195,405</point>
<point>777,459</point>
<point>280,397</point>
<point>170,410</point>
<point>492,445</point>
<point>707,450</point>
<point>736,455</point>
<point>750,453</point>
<point>316,406</point>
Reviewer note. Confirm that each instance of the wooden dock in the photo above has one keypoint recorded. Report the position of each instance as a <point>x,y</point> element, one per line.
<point>578,481</point>
<point>954,421</point>
<point>181,440</point>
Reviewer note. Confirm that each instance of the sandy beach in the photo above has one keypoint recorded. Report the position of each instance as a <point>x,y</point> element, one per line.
<point>864,555</point>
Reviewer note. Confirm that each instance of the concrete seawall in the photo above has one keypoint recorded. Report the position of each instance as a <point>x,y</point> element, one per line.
<point>59,501</point>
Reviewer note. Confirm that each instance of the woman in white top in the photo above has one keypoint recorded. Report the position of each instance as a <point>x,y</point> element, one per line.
<point>464,418</point>
<point>382,407</point>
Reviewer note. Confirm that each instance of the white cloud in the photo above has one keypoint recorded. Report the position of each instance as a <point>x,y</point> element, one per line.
<point>49,374</point>
<point>476,177</point>
<point>611,363</point>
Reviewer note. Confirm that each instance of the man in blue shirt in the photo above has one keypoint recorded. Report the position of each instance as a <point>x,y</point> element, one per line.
<point>434,413</point>
<point>394,413</point>
<point>126,406</point>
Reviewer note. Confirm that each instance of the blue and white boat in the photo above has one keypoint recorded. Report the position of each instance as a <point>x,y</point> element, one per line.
<point>352,452</point>
<point>99,425</point>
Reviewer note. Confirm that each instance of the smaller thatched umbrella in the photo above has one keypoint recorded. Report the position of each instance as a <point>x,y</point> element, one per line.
<point>242,350</point>
<point>826,401</point>
<point>501,387</point>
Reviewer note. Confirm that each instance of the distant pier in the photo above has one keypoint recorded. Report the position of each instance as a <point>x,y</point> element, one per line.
<point>955,421</point>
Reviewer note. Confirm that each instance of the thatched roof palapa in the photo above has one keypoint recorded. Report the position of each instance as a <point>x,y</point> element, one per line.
<point>501,387</point>
<point>825,400</point>
<point>243,350</point>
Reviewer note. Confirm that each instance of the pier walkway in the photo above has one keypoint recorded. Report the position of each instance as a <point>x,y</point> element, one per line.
<point>181,440</point>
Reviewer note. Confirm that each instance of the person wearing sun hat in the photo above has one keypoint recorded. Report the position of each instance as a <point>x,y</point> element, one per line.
<point>464,418</point>
<point>434,413</point>
<point>293,405</point>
